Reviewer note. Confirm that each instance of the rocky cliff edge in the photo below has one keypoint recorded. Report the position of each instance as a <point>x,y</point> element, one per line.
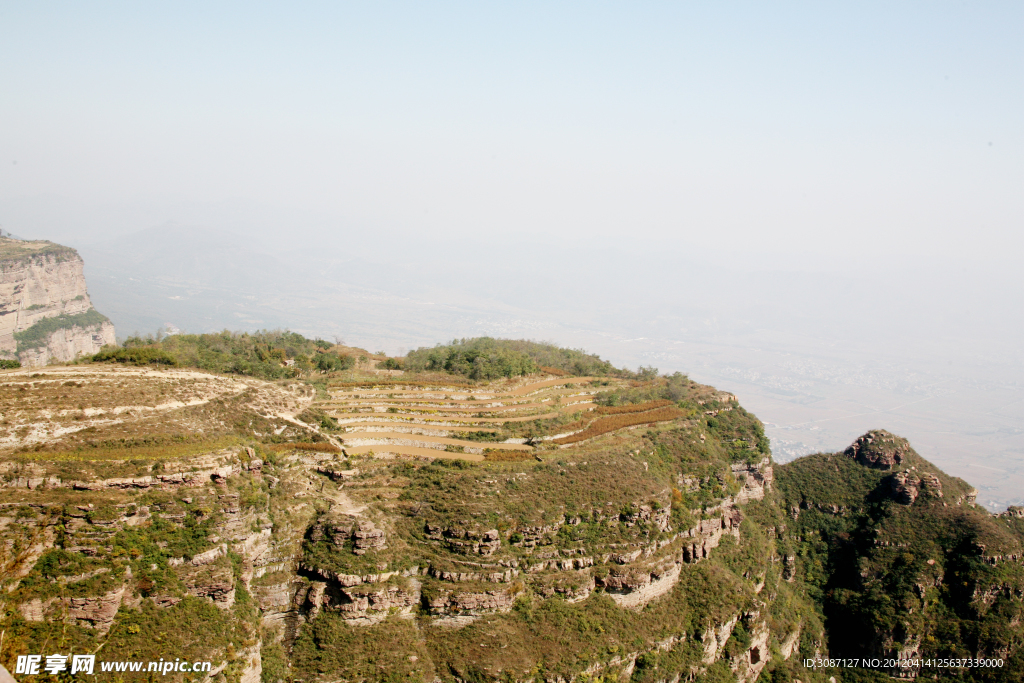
<point>45,311</point>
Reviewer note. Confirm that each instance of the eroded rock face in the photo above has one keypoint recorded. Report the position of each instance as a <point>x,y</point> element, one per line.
<point>638,586</point>
<point>457,577</point>
<point>645,513</point>
<point>344,531</point>
<point>907,486</point>
<point>879,449</point>
<point>473,603</point>
<point>749,664</point>
<point>97,613</point>
<point>707,534</point>
<point>371,606</point>
<point>714,639</point>
<point>466,541</point>
<point>275,601</point>
<point>533,535</point>
<point>214,582</point>
<point>366,536</point>
<point>1013,511</point>
<point>571,586</point>
<point>756,480</point>
<point>41,280</point>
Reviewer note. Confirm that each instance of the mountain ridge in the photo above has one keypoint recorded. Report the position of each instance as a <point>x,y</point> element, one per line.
<point>371,521</point>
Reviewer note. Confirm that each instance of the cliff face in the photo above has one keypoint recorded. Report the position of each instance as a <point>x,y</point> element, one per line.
<point>45,311</point>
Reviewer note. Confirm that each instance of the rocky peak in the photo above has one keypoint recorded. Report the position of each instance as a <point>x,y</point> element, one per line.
<point>879,449</point>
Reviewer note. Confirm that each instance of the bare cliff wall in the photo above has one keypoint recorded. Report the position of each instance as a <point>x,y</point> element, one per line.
<point>45,311</point>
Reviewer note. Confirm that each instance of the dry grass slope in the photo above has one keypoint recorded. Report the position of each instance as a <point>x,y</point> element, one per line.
<point>605,425</point>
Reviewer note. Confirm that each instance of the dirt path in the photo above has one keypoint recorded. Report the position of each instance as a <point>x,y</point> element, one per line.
<point>54,402</point>
<point>413,450</point>
<point>468,411</point>
<point>415,425</point>
<point>363,436</point>
<point>454,421</point>
<point>483,395</point>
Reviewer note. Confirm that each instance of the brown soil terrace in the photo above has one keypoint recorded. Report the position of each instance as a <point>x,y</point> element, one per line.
<point>418,419</point>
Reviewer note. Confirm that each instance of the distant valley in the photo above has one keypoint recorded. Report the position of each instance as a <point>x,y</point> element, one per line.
<point>820,359</point>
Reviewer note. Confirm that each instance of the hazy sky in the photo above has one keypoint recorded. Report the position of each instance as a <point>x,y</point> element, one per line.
<point>818,206</point>
<point>807,134</point>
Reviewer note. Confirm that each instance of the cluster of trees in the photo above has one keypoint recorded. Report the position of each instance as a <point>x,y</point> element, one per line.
<point>259,354</point>
<point>481,358</point>
<point>488,358</point>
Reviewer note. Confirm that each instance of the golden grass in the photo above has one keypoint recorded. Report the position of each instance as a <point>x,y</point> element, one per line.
<point>634,408</point>
<point>437,410</point>
<point>435,439</point>
<point>610,424</point>
<point>171,450</point>
<point>495,455</point>
<point>398,383</point>
<point>304,446</point>
<point>455,419</point>
<point>413,451</point>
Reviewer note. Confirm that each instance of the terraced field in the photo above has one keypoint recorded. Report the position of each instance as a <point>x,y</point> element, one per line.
<point>504,420</point>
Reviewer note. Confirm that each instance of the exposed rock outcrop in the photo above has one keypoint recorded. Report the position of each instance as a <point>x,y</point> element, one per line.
<point>466,541</point>
<point>45,311</point>
<point>755,479</point>
<point>374,602</point>
<point>637,587</point>
<point>907,486</point>
<point>349,531</point>
<point>879,449</point>
<point>471,603</point>
<point>97,613</point>
<point>707,534</point>
<point>213,581</point>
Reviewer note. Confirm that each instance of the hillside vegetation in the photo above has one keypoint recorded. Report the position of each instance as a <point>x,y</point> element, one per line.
<point>901,563</point>
<point>256,354</point>
<point>15,252</point>
<point>38,334</point>
<point>371,523</point>
<point>486,358</point>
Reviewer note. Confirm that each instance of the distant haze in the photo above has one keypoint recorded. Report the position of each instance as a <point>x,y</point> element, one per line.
<point>817,207</point>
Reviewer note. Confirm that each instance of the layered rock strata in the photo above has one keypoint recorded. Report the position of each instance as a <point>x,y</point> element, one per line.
<point>45,311</point>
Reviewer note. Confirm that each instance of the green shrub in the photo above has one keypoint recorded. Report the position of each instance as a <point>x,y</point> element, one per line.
<point>37,335</point>
<point>332,362</point>
<point>137,355</point>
